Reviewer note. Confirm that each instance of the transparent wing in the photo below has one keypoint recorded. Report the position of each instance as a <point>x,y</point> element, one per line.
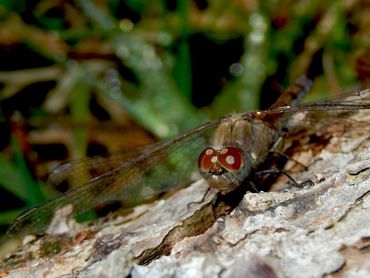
<point>331,107</point>
<point>76,172</point>
<point>154,169</point>
<point>345,102</point>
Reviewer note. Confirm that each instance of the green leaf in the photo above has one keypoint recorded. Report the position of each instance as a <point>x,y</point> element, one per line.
<point>7,217</point>
<point>16,178</point>
<point>11,179</point>
<point>156,102</point>
<point>242,94</point>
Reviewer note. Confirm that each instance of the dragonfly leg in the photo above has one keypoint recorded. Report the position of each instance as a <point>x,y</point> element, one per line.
<point>276,171</point>
<point>279,171</point>
<point>205,195</point>
<point>253,186</point>
<point>289,158</point>
<point>275,150</point>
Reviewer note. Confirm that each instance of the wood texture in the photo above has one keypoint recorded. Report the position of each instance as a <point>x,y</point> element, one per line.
<point>316,230</point>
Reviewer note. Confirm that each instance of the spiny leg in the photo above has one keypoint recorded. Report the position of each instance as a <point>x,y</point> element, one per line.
<point>279,171</point>
<point>289,158</point>
<point>253,186</point>
<point>205,195</point>
<point>275,150</point>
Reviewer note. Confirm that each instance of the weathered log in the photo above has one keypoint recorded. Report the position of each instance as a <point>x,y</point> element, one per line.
<point>312,231</point>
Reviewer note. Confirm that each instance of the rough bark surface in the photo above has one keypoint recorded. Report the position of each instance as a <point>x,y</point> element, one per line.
<point>316,230</point>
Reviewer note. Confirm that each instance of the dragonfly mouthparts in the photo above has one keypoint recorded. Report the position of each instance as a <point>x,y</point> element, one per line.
<point>217,171</point>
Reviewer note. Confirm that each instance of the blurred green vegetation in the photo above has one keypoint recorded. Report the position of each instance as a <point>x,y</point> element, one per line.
<point>154,69</point>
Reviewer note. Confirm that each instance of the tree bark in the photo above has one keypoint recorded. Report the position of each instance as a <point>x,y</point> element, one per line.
<point>319,229</point>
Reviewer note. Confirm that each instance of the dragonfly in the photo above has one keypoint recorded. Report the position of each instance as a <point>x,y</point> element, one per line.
<point>224,151</point>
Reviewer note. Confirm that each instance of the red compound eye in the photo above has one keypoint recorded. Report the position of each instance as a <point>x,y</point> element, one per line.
<point>231,158</point>
<point>207,159</point>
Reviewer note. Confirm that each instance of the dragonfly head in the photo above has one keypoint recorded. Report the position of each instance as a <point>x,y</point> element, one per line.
<point>222,169</point>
